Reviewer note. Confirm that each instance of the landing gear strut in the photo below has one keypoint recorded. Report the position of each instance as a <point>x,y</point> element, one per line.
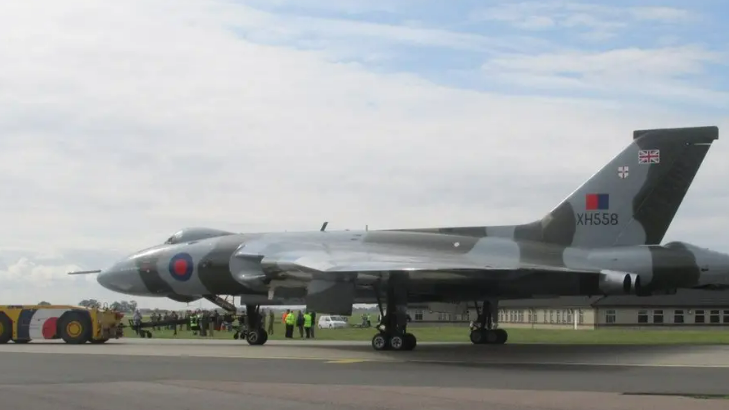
<point>255,334</point>
<point>483,332</point>
<point>392,328</point>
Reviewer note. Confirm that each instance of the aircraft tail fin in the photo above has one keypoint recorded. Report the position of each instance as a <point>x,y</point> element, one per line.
<point>632,200</point>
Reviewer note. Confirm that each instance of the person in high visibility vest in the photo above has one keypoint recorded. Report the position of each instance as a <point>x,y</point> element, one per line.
<point>290,322</point>
<point>307,324</point>
<point>194,323</point>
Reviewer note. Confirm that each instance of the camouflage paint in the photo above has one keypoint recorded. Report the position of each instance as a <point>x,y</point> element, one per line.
<point>570,251</point>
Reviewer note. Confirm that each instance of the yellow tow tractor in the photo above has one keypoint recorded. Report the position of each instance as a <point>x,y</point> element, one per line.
<point>73,324</point>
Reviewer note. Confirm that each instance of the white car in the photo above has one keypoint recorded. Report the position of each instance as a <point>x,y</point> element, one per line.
<point>331,322</point>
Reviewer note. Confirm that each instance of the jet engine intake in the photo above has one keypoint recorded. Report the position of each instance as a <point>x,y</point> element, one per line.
<point>619,283</point>
<point>330,297</point>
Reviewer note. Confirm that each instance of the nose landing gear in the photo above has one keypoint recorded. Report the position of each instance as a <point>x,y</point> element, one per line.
<point>255,334</point>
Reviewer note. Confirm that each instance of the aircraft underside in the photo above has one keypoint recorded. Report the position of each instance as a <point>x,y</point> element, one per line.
<point>392,330</point>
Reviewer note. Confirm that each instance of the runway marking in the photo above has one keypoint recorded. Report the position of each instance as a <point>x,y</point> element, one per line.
<point>348,361</point>
<point>481,362</point>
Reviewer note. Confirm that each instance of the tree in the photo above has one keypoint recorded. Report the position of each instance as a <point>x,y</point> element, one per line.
<point>90,303</point>
<point>43,303</point>
<point>124,306</point>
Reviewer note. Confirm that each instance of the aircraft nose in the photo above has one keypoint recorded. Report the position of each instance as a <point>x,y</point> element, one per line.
<point>122,277</point>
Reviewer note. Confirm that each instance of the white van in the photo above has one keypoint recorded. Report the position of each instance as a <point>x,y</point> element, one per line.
<point>331,322</point>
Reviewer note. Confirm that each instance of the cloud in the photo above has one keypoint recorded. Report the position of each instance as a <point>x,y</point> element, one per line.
<point>26,270</point>
<point>124,122</point>
<point>600,20</point>
<point>660,71</point>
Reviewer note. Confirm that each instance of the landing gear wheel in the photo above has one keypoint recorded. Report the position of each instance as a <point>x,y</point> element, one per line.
<point>380,342</point>
<point>478,337</point>
<point>501,336</point>
<point>411,341</point>
<point>486,336</point>
<point>490,337</point>
<point>398,342</point>
<point>75,327</point>
<point>6,329</point>
<point>257,337</point>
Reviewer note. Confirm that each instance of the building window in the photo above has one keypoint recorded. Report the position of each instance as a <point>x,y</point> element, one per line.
<point>418,315</point>
<point>642,316</point>
<point>582,317</point>
<point>699,318</point>
<point>726,316</point>
<point>569,316</point>
<point>678,316</point>
<point>530,315</point>
<point>551,316</point>
<point>658,316</point>
<point>610,316</point>
<point>521,316</point>
<point>714,317</point>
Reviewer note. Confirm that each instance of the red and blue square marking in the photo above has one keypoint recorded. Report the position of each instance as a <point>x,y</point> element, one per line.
<point>597,202</point>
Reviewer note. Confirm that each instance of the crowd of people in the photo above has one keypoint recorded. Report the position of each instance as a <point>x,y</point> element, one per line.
<point>205,322</point>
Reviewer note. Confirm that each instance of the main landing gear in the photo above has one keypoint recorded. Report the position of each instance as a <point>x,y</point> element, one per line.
<point>392,328</point>
<point>483,332</point>
<point>255,334</point>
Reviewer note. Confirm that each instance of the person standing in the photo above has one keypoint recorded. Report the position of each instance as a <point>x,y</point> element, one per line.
<point>300,324</point>
<point>270,321</point>
<point>290,322</point>
<point>307,324</point>
<point>313,323</point>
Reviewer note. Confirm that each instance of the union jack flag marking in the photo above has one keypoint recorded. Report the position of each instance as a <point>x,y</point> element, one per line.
<point>649,156</point>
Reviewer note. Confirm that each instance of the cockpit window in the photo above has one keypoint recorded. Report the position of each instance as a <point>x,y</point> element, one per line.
<point>174,238</point>
<point>194,234</point>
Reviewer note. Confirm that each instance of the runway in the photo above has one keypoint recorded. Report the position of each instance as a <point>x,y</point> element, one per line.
<point>222,374</point>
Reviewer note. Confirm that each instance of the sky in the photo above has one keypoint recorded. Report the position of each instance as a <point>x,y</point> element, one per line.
<point>122,122</point>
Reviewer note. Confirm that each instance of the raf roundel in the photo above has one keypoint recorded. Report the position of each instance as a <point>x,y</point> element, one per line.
<point>181,267</point>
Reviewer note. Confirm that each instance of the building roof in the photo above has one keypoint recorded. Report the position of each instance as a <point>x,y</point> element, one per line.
<point>682,298</point>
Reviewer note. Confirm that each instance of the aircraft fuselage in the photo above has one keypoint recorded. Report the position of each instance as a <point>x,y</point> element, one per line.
<point>264,268</point>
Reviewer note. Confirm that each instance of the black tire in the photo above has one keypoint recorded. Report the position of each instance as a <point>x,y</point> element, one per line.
<point>75,327</point>
<point>257,337</point>
<point>398,343</point>
<point>21,341</point>
<point>477,337</point>
<point>6,328</point>
<point>491,337</point>
<point>501,336</point>
<point>411,341</point>
<point>380,342</point>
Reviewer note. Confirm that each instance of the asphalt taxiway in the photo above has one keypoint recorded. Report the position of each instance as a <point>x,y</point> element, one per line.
<point>222,374</point>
